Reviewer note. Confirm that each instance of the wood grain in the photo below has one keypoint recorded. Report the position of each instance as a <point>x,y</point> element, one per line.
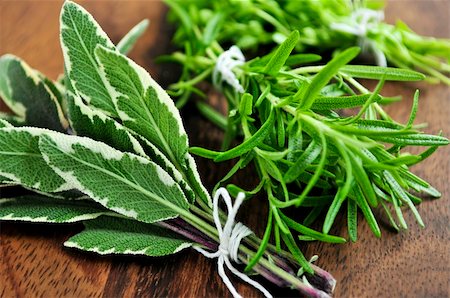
<point>410,264</point>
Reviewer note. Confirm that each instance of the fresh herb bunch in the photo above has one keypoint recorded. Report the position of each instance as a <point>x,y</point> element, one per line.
<point>323,26</point>
<point>307,153</point>
<point>107,147</point>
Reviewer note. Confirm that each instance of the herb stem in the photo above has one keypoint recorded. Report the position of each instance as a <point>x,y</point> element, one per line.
<point>202,213</point>
<point>291,279</point>
<point>307,69</point>
<point>202,76</point>
<point>201,225</point>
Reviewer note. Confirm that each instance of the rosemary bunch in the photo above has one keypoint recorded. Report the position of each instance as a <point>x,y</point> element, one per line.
<point>323,26</point>
<point>306,152</point>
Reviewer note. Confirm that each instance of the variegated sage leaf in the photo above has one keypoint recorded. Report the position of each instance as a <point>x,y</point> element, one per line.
<point>4,123</point>
<point>147,109</point>
<point>123,182</point>
<point>108,235</point>
<point>21,160</point>
<point>193,177</point>
<point>80,34</point>
<point>143,105</point>
<point>71,194</point>
<point>159,158</point>
<point>89,122</point>
<point>58,90</point>
<point>93,123</point>
<point>127,43</point>
<point>6,182</point>
<point>12,119</point>
<point>25,92</point>
<point>38,208</point>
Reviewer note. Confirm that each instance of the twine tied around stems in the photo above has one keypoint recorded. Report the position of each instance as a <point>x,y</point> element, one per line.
<point>230,236</point>
<point>359,23</point>
<point>223,71</point>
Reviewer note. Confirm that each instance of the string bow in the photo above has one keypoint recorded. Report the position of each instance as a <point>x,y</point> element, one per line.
<point>230,236</point>
<point>223,71</point>
<point>359,23</point>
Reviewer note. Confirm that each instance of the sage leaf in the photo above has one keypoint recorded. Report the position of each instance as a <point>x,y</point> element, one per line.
<point>28,96</point>
<point>143,105</point>
<point>21,160</point>
<point>12,119</point>
<point>80,34</point>
<point>4,180</point>
<point>123,182</point>
<point>107,235</point>
<point>145,108</point>
<point>159,158</point>
<point>127,43</point>
<point>93,123</point>
<point>193,177</point>
<point>4,123</point>
<point>36,208</point>
<point>57,89</point>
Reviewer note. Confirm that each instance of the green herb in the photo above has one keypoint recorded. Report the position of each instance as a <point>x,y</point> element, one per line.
<point>322,25</point>
<point>31,99</point>
<point>113,154</point>
<point>289,122</point>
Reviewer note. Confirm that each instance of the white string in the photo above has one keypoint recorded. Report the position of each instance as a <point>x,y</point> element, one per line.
<point>223,71</point>
<point>230,236</point>
<point>359,23</point>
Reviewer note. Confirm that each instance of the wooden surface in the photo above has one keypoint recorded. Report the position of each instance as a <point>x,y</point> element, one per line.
<point>411,264</point>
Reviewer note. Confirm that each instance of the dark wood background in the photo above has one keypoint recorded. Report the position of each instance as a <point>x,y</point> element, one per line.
<point>34,263</point>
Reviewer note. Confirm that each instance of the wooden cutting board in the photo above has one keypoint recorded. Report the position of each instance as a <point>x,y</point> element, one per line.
<point>33,262</point>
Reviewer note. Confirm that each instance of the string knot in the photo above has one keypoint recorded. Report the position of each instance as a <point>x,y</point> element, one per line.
<point>230,236</point>
<point>223,71</point>
<point>360,23</point>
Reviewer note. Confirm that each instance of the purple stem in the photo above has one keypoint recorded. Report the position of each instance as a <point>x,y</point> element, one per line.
<point>169,224</point>
<point>322,282</point>
<point>305,289</point>
<point>321,279</point>
<point>184,225</point>
<point>267,274</point>
<point>282,263</point>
